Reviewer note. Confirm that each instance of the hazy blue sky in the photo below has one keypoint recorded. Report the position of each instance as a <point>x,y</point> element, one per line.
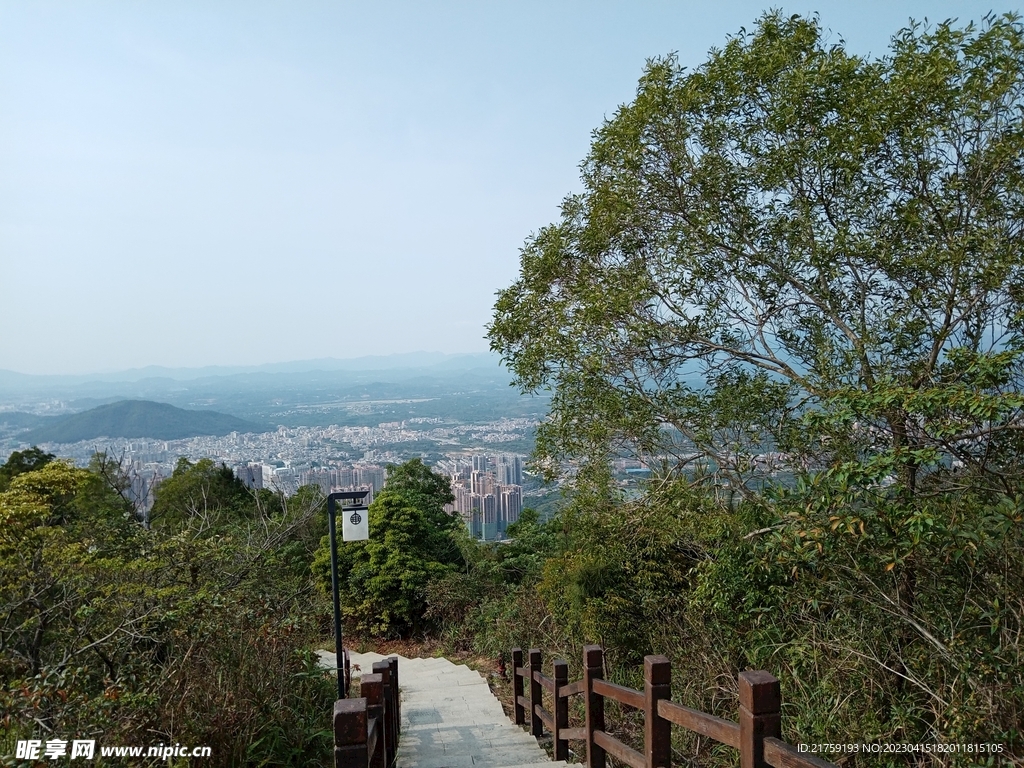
<point>199,183</point>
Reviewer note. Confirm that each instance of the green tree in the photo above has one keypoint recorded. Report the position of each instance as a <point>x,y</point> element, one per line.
<point>197,636</point>
<point>205,494</point>
<point>20,462</point>
<point>798,230</point>
<point>415,477</point>
<point>530,544</point>
<point>429,492</point>
<point>795,277</point>
<point>383,581</point>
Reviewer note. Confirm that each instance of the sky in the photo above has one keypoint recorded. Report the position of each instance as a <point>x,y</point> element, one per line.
<point>237,183</point>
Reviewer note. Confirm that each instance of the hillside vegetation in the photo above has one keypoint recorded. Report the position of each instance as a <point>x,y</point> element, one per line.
<point>198,631</point>
<point>137,418</point>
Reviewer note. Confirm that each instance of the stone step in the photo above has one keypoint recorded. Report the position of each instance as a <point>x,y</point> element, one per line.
<point>492,758</point>
<point>470,761</point>
<point>450,718</point>
<point>429,662</point>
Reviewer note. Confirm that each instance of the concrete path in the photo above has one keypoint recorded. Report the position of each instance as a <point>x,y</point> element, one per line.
<point>450,718</point>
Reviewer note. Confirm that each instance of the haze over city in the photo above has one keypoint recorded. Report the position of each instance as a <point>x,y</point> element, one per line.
<point>191,184</point>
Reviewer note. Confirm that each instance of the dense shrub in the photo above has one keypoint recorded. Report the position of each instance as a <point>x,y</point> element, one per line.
<point>136,637</point>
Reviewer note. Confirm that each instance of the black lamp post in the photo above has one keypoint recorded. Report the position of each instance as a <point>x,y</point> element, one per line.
<point>356,508</point>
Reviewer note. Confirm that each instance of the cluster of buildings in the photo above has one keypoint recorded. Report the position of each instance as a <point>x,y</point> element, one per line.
<point>290,451</point>
<point>488,489</point>
<point>283,477</point>
<point>488,492</point>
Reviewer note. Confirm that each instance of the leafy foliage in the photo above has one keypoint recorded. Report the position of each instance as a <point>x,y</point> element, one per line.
<point>383,581</point>
<point>20,462</point>
<point>188,636</point>
<point>203,494</point>
<point>793,283</point>
<point>493,603</point>
<point>807,230</point>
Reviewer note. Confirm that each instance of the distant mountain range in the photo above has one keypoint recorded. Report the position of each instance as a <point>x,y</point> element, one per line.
<point>137,418</point>
<point>434,362</point>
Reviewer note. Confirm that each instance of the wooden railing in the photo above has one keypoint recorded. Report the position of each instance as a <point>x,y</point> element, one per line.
<point>755,735</point>
<point>366,728</point>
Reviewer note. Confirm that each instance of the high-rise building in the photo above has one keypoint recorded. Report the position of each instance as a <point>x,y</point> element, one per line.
<point>509,469</point>
<point>489,507</point>
<point>463,499</point>
<point>344,477</point>
<point>511,504</point>
<point>250,474</point>
<point>324,479</point>
<point>486,497</point>
<point>369,475</point>
<point>483,483</point>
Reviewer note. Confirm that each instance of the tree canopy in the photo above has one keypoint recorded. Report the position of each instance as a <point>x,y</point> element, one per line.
<point>204,493</point>
<point>20,462</point>
<point>194,635</point>
<point>794,284</point>
<point>383,581</point>
<point>793,248</point>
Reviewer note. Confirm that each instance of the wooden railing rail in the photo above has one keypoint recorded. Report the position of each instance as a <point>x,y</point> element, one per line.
<point>546,682</point>
<point>723,731</point>
<point>366,728</point>
<point>619,693</point>
<point>573,688</point>
<point>756,734</point>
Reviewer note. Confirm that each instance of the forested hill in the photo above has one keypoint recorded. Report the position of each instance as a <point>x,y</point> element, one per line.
<point>138,418</point>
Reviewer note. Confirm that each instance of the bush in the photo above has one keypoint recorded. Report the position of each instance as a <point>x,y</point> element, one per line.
<point>137,636</point>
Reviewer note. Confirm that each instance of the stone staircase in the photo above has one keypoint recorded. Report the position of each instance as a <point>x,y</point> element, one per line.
<point>450,718</point>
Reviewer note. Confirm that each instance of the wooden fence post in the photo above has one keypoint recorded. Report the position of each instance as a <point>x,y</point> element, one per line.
<point>560,713</point>
<point>517,685</point>
<point>383,668</point>
<point>593,669</point>
<point>350,724</point>
<point>372,688</point>
<point>760,716</point>
<point>657,731</point>
<point>536,694</point>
